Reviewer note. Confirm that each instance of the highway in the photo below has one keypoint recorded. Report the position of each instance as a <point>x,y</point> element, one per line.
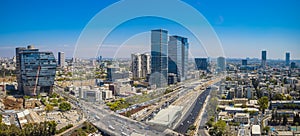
<point>191,116</point>
<point>169,98</point>
<point>201,130</point>
<point>109,122</point>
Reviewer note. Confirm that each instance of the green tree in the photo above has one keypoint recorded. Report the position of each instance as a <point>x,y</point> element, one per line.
<point>263,102</point>
<point>64,106</point>
<point>266,129</point>
<point>30,129</point>
<point>219,128</point>
<point>192,127</point>
<point>0,118</point>
<point>48,108</point>
<point>39,96</point>
<point>53,95</point>
<point>278,96</point>
<point>223,97</point>
<point>127,114</point>
<point>228,79</point>
<point>26,97</point>
<point>244,106</point>
<point>52,127</point>
<point>61,100</point>
<point>289,97</point>
<point>210,122</point>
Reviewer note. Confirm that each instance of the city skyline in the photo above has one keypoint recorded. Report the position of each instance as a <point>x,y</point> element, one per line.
<point>243,34</point>
<point>150,67</point>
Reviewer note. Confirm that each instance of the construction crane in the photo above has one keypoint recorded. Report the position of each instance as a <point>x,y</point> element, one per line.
<point>36,80</point>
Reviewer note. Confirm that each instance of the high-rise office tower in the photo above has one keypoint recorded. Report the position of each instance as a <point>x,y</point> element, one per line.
<point>35,71</point>
<point>110,72</point>
<point>178,56</point>
<point>61,59</point>
<point>201,63</point>
<point>221,63</point>
<point>244,62</point>
<point>293,65</point>
<point>185,57</point>
<point>264,58</point>
<point>287,59</point>
<point>18,68</point>
<point>140,65</point>
<point>159,58</point>
<point>99,59</point>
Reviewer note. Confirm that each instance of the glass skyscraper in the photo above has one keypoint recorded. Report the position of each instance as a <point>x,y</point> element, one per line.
<point>35,71</point>
<point>178,56</point>
<point>244,62</point>
<point>287,59</point>
<point>61,59</point>
<point>263,58</point>
<point>221,63</point>
<point>159,58</point>
<point>201,63</point>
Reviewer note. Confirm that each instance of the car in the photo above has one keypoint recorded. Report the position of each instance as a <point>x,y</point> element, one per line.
<point>124,134</point>
<point>111,127</point>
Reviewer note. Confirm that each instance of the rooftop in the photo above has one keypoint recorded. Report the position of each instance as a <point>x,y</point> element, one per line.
<point>242,114</point>
<point>166,116</point>
<point>256,130</point>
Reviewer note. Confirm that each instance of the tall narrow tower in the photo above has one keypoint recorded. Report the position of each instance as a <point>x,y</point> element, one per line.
<point>287,59</point>
<point>263,58</point>
<point>159,58</point>
<point>178,56</point>
<point>61,59</point>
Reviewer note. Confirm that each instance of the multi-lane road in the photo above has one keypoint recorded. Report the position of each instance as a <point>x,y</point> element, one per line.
<point>192,115</point>
<point>109,122</point>
<point>115,124</point>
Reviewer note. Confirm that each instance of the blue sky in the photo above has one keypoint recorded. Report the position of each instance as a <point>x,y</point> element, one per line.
<point>244,27</point>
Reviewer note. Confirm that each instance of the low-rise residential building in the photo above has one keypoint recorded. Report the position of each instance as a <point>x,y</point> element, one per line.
<point>281,104</point>
<point>27,116</point>
<point>223,115</point>
<point>242,118</point>
<point>107,94</point>
<point>284,133</point>
<point>91,95</point>
<point>256,130</point>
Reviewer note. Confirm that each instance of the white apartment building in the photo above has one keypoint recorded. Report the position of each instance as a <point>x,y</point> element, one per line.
<point>140,65</point>
<point>242,118</point>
